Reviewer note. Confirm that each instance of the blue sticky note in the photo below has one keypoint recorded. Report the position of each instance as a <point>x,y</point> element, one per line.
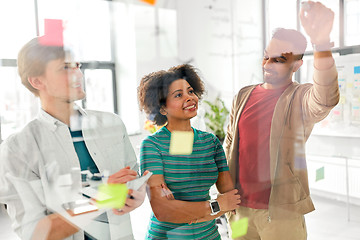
<point>357,70</point>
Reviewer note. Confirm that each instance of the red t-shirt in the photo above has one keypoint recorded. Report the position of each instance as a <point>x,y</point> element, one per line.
<point>254,151</point>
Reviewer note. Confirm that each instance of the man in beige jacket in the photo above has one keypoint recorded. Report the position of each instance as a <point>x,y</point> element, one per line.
<point>270,124</point>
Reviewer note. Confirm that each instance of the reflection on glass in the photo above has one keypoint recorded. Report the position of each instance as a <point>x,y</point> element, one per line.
<point>17,105</point>
<point>17,24</point>
<point>352,22</point>
<point>99,89</point>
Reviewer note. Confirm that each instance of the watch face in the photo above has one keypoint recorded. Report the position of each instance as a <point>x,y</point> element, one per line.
<point>215,207</point>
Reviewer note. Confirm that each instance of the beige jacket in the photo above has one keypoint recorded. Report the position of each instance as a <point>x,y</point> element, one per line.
<point>295,113</point>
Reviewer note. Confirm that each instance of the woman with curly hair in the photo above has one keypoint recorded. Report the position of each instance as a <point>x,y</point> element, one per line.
<point>180,184</point>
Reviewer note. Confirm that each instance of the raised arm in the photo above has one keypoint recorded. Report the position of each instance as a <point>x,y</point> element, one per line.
<point>230,130</point>
<point>317,21</point>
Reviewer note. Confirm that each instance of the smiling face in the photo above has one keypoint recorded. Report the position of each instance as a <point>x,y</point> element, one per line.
<point>62,81</point>
<point>181,102</point>
<point>279,63</point>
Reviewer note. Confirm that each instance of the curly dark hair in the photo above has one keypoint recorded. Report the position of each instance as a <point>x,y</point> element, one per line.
<point>153,89</point>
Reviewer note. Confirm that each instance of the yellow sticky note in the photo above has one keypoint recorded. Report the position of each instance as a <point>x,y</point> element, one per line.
<point>111,195</point>
<point>181,143</point>
<point>239,228</point>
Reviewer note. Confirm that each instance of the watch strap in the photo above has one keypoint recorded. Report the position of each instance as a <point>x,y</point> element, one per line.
<point>214,206</point>
<point>323,46</point>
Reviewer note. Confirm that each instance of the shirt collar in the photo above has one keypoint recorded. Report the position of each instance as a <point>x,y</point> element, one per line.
<point>53,123</point>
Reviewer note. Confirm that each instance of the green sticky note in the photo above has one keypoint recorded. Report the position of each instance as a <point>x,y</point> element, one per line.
<point>320,174</point>
<point>181,143</point>
<point>111,195</point>
<point>239,228</point>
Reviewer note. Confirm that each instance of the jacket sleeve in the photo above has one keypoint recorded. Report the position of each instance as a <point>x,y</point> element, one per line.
<point>230,129</point>
<point>20,190</point>
<point>322,96</point>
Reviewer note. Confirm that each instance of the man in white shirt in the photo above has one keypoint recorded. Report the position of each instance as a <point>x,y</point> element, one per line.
<point>33,159</point>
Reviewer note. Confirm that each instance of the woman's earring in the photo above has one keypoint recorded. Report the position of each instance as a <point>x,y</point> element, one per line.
<point>163,112</point>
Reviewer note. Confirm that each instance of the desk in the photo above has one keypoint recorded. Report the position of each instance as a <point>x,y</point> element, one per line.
<point>119,227</point>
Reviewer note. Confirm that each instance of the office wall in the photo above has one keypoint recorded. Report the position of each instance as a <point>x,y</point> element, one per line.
<point>224,40</point>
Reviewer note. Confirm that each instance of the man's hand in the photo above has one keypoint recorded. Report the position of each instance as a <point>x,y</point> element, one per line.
<point>317,21</point>
<point>123,176</point>
<point>134,200</point>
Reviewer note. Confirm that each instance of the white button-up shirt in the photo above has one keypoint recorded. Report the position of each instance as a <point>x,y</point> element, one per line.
<point>43,150</point>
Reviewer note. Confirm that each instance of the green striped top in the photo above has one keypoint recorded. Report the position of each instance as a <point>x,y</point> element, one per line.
<point>189,177</point>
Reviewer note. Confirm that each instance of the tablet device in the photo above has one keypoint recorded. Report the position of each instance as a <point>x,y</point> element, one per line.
<point>138,182</point>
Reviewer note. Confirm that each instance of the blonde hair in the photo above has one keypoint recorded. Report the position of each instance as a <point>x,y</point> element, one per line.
<point>33,58</point>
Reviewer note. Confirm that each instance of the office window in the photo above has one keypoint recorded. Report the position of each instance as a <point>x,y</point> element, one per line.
<point>17,104</point>
<point>281,14</point>
<point>352,22</point>
<point>17,26</point>
<point>168,33</point>
<point>99,89</point>
<point>284,14</point>
<point>156,32</point>
<point>86,26</point>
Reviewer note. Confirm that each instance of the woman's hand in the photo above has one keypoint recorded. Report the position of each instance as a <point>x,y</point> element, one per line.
<point>229,200</point>
<point>167,192</point>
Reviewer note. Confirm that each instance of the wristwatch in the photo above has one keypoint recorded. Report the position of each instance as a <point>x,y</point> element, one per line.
<point>214,206</point>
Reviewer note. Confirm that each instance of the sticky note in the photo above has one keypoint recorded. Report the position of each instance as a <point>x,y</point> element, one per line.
<point>320,174</point>
<point>53,33</point>
<point>181,142</point>
<point>239,228</point>
<point>357,70</point>
<point>111,195</point>
<point>152,2</point>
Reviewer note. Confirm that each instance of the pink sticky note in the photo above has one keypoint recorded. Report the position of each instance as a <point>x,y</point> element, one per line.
<point>53,33</point>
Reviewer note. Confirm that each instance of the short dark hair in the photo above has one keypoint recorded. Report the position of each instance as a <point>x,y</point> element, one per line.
<point>154,88</point>
<point>293,36</point>
<point>33,58</point>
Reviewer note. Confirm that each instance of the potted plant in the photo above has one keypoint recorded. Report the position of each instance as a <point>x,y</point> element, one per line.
<point>151,126</point>
<point>216,117</point>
